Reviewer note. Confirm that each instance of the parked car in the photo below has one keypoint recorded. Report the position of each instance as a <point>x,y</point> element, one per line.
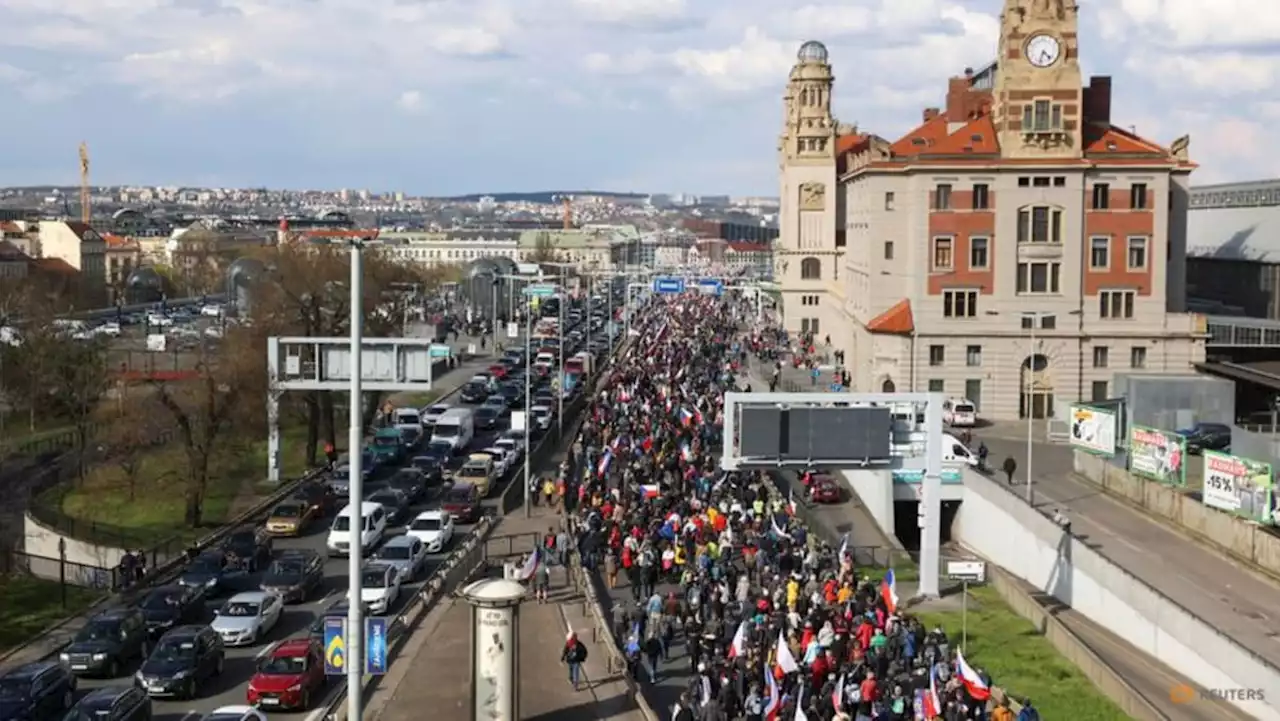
<point>289,677</point>
<point>106,642</point>
<point>37,691</point>
<point>182,662</point>
<point>294,575</point>
<point>1207,437</point>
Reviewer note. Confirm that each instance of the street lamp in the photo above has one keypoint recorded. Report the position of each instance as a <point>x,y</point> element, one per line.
<point>354,658</point>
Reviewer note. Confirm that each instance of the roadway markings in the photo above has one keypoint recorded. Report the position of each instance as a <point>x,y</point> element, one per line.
<point>267,650</point>
<point>193,714</point>
<point>325,599</point>
<point>314,715</point>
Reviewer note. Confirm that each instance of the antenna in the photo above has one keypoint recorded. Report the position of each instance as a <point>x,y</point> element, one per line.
<point>85,210</point>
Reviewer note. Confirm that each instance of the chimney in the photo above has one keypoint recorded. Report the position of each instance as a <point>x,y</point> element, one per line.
<point>931,113</point>
<point>1097,100</point>
<point>958,93</point>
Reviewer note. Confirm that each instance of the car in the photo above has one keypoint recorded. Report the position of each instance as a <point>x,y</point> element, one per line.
<point>410,437</point>
<point>159,320</point>
<point>290,517</point>
<point>432,413</point>
<point>235,713</point>
<point>1207,437</point>
<point>499,371</point>
<point>479,472</point>
<point>432,467</point>
<point>513,443</point>
<point>112,703</point>
<point>37,690</point>
<point>411,482</point>
<point>502,460</point>
<point>541,417</point>
<point>211,310</point>
<point>824,489</point>
<point>407,554</point>
<point>294,575</point>
<point>213,571</point>
<point>434,529</point>
<point>168,606</point>
<point>249,545</point>
<point>498,403</point>
<point>246,618</point>
<point>183,660</point>
<point>289,676</point>
<point>394,502</point>
<point>380,587</point>
<point>319,497</point>
<point>513,393</point>
<point>475,391</point>
<point>106,642</point>
<point>487,417</point>
<point>462,502</point>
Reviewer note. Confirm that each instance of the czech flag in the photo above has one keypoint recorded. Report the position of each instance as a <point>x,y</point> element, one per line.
<point>686,418</point>
<point>530,566</point>
<point>889,591</point>
<point>686,453</point>
<point>844,547</point>
<point>603,466</point>
<point>800,714</point>
<point>773,701</point>
<point>973,683</point>
<point>791,503</point>
<point>932,706</point>
<point>650,491</point>
<point>837,696</point>
<point>783,657</point>
<point>738,647</point>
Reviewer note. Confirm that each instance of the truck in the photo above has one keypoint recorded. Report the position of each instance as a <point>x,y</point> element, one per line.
<point>387,446</point>
<point>580,364</point>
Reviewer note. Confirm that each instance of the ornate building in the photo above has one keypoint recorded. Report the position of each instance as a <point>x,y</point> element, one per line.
<point>1015,248</point>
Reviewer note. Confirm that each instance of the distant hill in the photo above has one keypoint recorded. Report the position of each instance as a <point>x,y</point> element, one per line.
<point>540,196</point>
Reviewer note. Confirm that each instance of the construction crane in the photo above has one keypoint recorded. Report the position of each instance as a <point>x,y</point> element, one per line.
<point>567,201</point>
<point>84,184</point>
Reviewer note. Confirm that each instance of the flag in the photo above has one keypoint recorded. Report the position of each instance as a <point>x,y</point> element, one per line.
<point>603,467</point>
<point>800,714</point>
<point>686,418</point>
<point>686,453</point>
<point>778,530</point>
<point>791,503</point>
<point>812,651</point>
<point>889,591</point>
<point>738,647</point>
<point>837,696</point>
<point>844,547</point>
<point>773,702</point>
<point>650,491</point>
<point>530,566</point>
<point>782,656</point>
<point>973,683</point>
<point>932,706</point>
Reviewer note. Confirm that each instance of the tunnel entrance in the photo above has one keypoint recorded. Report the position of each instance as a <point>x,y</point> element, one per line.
<point>907,526</point>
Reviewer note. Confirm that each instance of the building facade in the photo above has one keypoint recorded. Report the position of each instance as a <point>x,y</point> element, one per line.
<point>1015,248</point>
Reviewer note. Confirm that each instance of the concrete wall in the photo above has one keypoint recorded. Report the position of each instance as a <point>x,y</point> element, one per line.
<point>1241,538</point>
<point>1000,526</point>
<point>875,489</point>
<point>39,540</point>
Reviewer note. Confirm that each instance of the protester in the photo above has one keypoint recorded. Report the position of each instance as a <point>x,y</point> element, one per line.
<point>771,618</point>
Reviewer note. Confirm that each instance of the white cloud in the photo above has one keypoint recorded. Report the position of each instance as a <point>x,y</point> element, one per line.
<point>633,13</point>
<point>411,101</point>
<point>755,62</point>
<point>1194,23</point>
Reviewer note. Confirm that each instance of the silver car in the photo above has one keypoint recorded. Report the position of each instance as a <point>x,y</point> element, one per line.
<point>407,554</point>
<point>246,618</point>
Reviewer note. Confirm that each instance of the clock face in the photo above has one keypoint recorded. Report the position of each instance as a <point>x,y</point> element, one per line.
<point>1043,50</point>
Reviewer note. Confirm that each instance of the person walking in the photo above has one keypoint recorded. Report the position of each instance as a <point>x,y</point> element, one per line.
<point>573,656</point>
<point>1010,467</point>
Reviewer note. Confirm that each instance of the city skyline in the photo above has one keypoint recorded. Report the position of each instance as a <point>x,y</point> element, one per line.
<point>461,98</point>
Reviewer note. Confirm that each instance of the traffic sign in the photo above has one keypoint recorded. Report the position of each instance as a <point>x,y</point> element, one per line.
<point>335,646</point>
<point>668,285</point>
<point>439,350</point>
<point>967,571</point>
<point>540,290</point>
<point>711,286</point>
<point>375,657</point>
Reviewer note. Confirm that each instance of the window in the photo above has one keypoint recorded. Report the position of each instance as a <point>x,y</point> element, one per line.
<point>1137,357</point>
<point>1039,277</point>
<point>960,303</point>
<point>973,393</point>
<point>937,355</point>
<point>1100,353</point>
<point>1138,196</point>
<point>1137,252</point>
<point>1101,196</point>
<point>978,252</point>
<point>809,325</point>
<point>942,197</point>
<point>888,250</point>
<point>973,356</point>
<point>809,300</point>
<point>1040,224</point>
<point>1041,181</point>
<point>1024,182</point>
<point>1043,116</point>
<point>888,201</point>
<point>1116,304</point>
<point>1048,322</point>
<point>1099,390</point>
<point>981,196</point>
<point>942,259</point>
<point>1100,252</point>
<point>937,385</point>
<point>811,269</point>
<point>1028,322</point>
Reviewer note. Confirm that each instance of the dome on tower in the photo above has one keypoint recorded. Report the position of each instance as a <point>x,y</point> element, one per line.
<point>812,52</point>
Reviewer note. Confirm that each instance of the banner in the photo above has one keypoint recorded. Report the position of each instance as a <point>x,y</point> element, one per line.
<point>1093,430</point>
<point>1158,455</point>
<point>1240,486</point>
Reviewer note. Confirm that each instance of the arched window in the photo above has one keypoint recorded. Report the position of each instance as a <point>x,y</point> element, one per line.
<point>811,269</point>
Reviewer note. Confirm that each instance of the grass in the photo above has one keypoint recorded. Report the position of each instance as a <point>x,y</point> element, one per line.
<point>19,434</point>
<point>30,605</point>
<point>1022,661</point>
<point>157,507</point>
<point>419,399</point>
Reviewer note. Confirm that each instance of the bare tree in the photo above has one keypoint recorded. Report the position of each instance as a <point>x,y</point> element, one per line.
<point>130,437</point>
<point>78,379</point>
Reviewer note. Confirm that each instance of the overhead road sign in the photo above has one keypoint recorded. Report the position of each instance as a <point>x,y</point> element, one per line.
<point>668,285</point>
<point>711,286</point>
<point>540,290</point>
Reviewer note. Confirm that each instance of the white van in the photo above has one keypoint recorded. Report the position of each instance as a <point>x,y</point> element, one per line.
<point>959,413</point>
<point>373,520</point>
<point>457,426</point>
<point>953,451</point>
<point>407,418</point>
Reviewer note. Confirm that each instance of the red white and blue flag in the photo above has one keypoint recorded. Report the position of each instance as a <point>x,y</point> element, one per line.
<point>686,418</point>
<point>931,708</point>
<point>973,683</point>
<point>650,491</point>
<point>773,699</point>
<point>738,647</point>
<point>530,566</point>
<point>889,591</point>
<point>603,466</point>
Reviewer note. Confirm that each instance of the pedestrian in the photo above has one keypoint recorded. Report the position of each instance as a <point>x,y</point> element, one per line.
<point>1010,467</point>
<point>983,452</point>
<point>140,568</point>
<point>541,582</point>
<point>611,569</point>
<point>573,656</point>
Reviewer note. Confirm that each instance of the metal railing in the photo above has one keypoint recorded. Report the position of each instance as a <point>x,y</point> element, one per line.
<point>67,573</point>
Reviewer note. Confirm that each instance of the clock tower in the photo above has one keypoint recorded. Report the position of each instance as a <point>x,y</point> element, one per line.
<point>1038,93</point>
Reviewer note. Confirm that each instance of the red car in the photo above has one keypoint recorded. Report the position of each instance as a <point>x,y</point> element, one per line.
<point>824,489</point>
<point>498,371</point>
<point>289,677</point>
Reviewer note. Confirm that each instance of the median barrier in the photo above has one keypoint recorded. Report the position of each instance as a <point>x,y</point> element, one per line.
<point>1245,540</point>
<point>602,636</point>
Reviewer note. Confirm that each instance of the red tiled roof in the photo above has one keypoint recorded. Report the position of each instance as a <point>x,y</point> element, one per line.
<point>80,229</point>
<point>368,234</point>
<point>8,226</point>
<point>55,266</point>
<point>114,241</point>
<point>898,320</point>
<point>749,247</point>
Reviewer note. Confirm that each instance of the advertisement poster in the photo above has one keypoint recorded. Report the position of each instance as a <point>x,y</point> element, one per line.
<point>1158,455</point>
<point>494,665</point>
<point>1093,430</point>
<point>1239,485</point>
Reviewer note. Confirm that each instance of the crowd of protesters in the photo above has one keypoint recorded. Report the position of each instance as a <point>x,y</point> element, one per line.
<point>773,622</point>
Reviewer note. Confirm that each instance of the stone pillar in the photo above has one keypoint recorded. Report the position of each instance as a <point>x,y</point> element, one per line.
<point>495,652</point>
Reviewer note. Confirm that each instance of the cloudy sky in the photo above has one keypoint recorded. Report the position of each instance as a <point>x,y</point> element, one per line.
<point>457,96</point>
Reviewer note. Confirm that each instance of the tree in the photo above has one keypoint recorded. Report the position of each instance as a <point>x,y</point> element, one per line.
<point>78,378</point>
<point>544,250</point>
<point>131,435</point>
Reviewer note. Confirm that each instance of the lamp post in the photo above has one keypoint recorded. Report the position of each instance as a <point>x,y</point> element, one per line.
<point>355,492</point>
<point>528,390</point>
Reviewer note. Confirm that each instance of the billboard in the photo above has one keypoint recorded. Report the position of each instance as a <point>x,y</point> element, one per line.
<point>1093,430</point>
<point>1239,485</point>
<point>801,435</point>
<point>1158,455</point>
